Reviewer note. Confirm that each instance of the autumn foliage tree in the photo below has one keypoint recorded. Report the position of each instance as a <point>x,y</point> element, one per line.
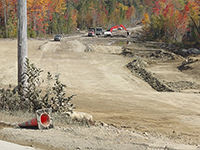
<point>171,20</point>
<point>8,18</point>
<point>64,16</point>
<point>37,11</point>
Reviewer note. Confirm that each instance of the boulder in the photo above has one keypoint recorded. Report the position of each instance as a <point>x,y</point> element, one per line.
<point>79,116</point>
<point>184,50</point>
<point>193,51</point>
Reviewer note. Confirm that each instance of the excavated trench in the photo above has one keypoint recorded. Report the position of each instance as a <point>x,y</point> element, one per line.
<point>145,58</point>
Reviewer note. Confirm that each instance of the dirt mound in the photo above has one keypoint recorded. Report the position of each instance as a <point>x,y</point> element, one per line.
<point>50,46</point>
<point>153,54</point>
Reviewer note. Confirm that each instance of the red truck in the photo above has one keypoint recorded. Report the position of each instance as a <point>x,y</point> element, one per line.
<point>91,32</point>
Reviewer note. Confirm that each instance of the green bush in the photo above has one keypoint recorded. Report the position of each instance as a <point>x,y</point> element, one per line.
<point>32,97</point>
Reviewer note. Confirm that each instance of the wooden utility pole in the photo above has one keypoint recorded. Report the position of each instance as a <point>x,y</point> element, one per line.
<point>22,39</point>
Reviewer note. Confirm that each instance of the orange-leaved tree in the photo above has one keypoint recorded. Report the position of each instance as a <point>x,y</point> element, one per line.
<point>8,15</point>
<point>36,13</point>
<point>171,19</point>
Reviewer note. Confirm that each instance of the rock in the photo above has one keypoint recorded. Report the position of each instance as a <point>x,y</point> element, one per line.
<point>184,50</point>
<point>144,133</point>
<point>79,116</point>
<point>185,62</point>
<point>78,147</point>
<point>103,124</point>
<point>166,148</point>
<point>193,51</point>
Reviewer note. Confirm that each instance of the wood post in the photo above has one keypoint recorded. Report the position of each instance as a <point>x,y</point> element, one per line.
<point>22,39</point>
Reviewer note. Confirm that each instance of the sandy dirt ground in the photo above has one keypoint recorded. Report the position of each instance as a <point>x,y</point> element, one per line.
<point>138,117</point>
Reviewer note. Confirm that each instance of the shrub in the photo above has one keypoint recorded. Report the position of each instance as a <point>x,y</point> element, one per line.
<point>34,97</point>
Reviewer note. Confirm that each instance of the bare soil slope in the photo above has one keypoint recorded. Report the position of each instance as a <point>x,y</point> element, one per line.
<point>95,70</point>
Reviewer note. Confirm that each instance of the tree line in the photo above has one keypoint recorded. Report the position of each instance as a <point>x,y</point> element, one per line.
<point>64,16</point>
<point>168,20</point>
<point>173,20</point>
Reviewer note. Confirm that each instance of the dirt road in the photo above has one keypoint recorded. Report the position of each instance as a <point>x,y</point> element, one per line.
<point>92,69</point>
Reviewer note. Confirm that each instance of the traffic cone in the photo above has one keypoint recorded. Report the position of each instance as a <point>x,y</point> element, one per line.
<point>43,120</point>
<point>30,123</point>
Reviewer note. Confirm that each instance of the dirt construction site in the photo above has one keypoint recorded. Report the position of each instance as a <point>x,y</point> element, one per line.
<point>141,96</point>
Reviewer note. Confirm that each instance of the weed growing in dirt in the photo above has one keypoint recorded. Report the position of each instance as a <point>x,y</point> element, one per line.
<point>35,97</point>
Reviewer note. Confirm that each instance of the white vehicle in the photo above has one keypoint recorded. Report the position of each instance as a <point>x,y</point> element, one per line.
<point>107,33</point>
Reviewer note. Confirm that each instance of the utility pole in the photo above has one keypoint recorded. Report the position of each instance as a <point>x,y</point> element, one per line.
<point>22,40</point>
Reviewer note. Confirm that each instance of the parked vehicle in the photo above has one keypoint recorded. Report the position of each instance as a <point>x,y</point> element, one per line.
<point>57,37</point>
<point>107,33</point>
<point>91,32</point>
<point>99,30</point>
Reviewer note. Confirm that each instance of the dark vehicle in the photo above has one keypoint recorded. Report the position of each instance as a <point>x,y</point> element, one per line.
<point>91,32</point>
<point>57,37</point>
